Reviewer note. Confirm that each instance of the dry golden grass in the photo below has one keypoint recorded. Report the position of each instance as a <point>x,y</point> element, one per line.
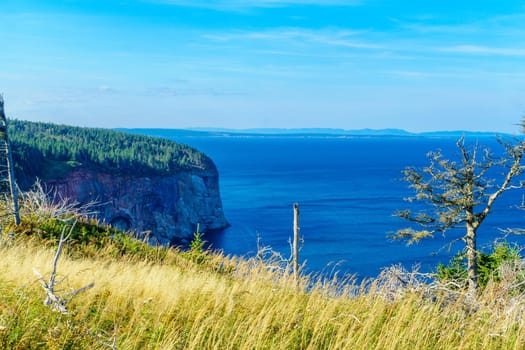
<point>185,306</point>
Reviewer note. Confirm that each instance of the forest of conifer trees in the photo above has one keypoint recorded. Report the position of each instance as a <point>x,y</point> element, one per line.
<point>42,149</point>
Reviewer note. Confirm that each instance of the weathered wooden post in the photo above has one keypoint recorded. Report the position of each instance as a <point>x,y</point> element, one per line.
<point>9,162</point>
<point>296,242</point>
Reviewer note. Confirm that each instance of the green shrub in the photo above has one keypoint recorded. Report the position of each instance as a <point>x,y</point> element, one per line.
<point>197,253</point>
<point>488,264</point>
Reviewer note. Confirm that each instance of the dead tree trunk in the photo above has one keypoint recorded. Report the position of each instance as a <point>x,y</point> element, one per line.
<point>9,165</point>
<point>470,242</point>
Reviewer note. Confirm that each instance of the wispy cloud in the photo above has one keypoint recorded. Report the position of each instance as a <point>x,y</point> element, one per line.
<point>417,74</point>
<point>236,5</point>
<point>484,50</point>
<point>105,89</point>
<point>499,26</point>
<point>426,28</point>
<point>168,92</point>
<point>343,38</point>
<point>436,75</point>
<point>359,39</point>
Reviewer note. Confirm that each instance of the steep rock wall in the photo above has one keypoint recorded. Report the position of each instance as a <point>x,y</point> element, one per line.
<point>169,207</point>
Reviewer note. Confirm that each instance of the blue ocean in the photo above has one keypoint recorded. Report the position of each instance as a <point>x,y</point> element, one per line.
<point>347,188</point>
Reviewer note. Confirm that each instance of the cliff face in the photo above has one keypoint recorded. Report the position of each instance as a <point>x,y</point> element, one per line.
<point>140,183</point>
<point>168,206</point>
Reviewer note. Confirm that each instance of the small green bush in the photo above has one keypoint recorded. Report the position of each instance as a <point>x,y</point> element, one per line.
<point>488,264</point>
<point>197,253</point>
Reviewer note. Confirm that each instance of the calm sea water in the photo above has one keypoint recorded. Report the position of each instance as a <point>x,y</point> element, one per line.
<point>347,189</point>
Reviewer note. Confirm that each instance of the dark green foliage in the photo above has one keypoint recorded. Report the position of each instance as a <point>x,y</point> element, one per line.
<point>488,265</point>
<point>455,270</point>
<point>50,151</point>
<point>90,239</point>
<point>197,253</point>
<point>197,244</point>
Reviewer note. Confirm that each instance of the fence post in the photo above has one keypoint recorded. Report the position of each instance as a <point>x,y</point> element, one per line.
<point>296,242</point>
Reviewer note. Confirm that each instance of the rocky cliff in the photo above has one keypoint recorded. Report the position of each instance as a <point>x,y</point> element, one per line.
<point>167,208</point>
<point>148,185</point>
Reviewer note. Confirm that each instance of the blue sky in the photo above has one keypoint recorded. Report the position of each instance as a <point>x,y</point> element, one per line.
<point>417,65</point>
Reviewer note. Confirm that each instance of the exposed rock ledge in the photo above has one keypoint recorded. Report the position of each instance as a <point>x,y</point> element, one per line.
<point>169,207</point>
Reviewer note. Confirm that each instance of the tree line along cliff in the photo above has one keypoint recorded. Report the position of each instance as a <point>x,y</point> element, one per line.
<point>138,183</point>
<point>48,150</point>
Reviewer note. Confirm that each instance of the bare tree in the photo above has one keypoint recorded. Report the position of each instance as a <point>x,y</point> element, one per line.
<point>460,194</point>
<point>7,154</point>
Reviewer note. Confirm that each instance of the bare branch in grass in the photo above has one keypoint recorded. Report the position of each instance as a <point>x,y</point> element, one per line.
<point>110,343</point>
<point>58,302</point>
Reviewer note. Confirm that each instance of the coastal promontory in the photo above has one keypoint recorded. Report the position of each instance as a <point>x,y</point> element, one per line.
<point>152,186</point>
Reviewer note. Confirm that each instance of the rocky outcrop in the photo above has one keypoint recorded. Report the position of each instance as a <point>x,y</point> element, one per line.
<point>167,207</point>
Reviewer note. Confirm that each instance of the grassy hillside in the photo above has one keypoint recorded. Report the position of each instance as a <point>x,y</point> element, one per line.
<point>50,150</point>
<point>159,298</point>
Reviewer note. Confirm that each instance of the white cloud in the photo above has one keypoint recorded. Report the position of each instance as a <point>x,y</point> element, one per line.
<point>502,27</point>
<point>104,88</point>
<point>419,74</point>
<point>237,5</point>
<point>484,50</point>
<point>343,38</point>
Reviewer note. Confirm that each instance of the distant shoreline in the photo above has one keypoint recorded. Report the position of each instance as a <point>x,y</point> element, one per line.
<point>314,132</point>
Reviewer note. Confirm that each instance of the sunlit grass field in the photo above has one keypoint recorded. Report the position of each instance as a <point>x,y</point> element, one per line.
<point>179,302</point>
<point>147,297</point>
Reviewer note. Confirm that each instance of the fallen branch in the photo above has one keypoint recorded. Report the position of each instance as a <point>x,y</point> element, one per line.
<point>110,344</point>
<point>59,302</point>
